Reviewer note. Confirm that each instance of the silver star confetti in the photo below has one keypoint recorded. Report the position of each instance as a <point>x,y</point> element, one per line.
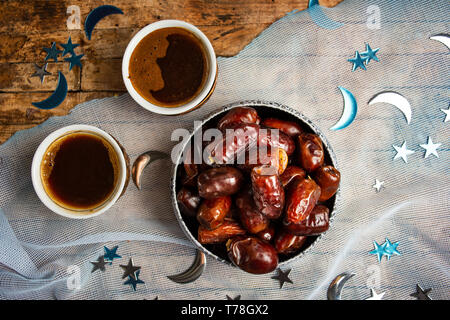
<point>130,270</point>
<point>447,114</point>
<point>378,185</point>
<point>282,277</point>
<point>431,148</point>
<point>402,152</point>
<point>99,264</point>
<point>421,294</point>
<point>40,72</point>
<point>375,296</point>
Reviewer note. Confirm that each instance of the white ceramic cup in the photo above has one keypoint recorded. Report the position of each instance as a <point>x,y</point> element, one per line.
<point>209,83</point>
<point>38,184</point>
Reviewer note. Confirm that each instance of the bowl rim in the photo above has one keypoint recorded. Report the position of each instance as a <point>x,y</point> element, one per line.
<point>252,103</point>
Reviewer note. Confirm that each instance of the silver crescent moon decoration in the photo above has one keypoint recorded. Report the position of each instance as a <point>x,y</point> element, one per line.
<point>396,99</point>
<point>336,286</point>
<point>193,272</point>
<point>143,161</point>
<point>442,38</point>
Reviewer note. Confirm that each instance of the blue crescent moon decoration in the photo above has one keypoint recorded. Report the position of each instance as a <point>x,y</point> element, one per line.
<point>57,96</point>
<point>320,18</point>
<point>96,15</point>
<point>350,110</point>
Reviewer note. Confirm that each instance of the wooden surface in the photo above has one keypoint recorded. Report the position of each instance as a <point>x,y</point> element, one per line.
<point>28,26</point>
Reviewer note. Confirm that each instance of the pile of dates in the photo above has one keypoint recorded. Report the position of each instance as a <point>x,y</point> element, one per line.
<point>260,207</point>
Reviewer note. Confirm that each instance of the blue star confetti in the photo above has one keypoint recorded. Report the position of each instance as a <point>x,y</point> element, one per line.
<point>52,52</point>
<point>387,249</point>
<point>68,47</point>
<point>74,60</point>
<point>134,282</point>
<point>358,62</point>
<point>370,54</point>
<point>110,254</point>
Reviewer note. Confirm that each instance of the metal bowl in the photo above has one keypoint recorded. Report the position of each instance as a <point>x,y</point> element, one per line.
<point>265,109</point>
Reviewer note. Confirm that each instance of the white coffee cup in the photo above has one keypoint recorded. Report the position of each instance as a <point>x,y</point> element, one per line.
<point>210,82</point>
<point>39,186</point>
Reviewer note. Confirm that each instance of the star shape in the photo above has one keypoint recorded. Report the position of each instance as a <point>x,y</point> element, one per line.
<point>391,248</point>
<point>402,152</point>
<point>379,250</point>
<point>431,148</point>
<point>134,282</point>
<point>99,264</point>
<point>110,254</point>
<point>75,60</point>
<point>421,294</point>
<point>130,270</point>
<point>378,185</point>
<point>357,61</point>
<point>238,297</point>
<point>40,72</point>
<point>374,295</point>
<point>370,54</point>
<point>282,277</point>
<point>447,114</point>
<point>68,47</point>
<point>52,52</point>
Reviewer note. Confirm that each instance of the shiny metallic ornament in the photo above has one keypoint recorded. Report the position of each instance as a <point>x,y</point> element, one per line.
<point>282,276</point>
<point>375,296</point>
<point>379,250</point>
<point>68,47</point>
<point>110,254</point>
<point>40,72</point>
<point>193,272</point>
<point>52,52</point>
<point>421,294</point>
<point>358,62</point>
<point>442,38</point>
<point>130,270</point>
<point>395,99</point>
<point>134,282</point>
<point>238,297</point>
<point>350,110</point>
<point>75,60</point>
<point>99,264</point>
<point>370,54</point>
<point>336,286</point>
<point>142,162</point>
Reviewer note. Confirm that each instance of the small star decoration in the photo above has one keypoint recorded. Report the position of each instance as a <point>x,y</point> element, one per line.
<point>282,277</point>
<point>130,270</point>
<point>375,296</point>
<point>386,249</point>
<point>362,59</point>
<point>402,152</point>
<point>40,72</point>
<point>68,47</point>
<point>134,281</point>
<point>370,54</point>
<point>378,185</point>
<point>358,62</point>
<point>447,114</point>
<point>431,148</point>
<point>99,264</point>
<point>421,294</point>
<point>238,297</point>
<point>110,254</point>
<point>75,60</point>
<point>52,52</point>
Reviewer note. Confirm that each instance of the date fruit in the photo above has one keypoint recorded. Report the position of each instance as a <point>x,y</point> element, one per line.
<point>252,254</point>
<point>217,182</point>
<point>311,153</point>
<point>291,173</point>
<point>251,219</point>
<point>328,179</point>
<point>275,138</point>
<point>267,234</point>
<point>238,115</point>
<point>212,212</point>
<point>275,159</point>
<point>268,193</point>
<point>228,229</point>
<point>189,201</point>
<point>287,243</point>
<point>301,199</point>
<point>290,128</point>
<point>316,223</point>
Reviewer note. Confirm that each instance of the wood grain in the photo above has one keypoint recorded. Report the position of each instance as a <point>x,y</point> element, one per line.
<point>26,27</point>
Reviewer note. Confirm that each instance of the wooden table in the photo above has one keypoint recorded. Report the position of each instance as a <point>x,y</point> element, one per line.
<point>26,27</point>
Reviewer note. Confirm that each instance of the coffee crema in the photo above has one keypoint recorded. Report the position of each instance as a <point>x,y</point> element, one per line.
<point>79,171</point>
<point>169,67</point>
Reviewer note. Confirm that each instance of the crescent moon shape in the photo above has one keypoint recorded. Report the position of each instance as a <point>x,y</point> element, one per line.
<point>320,18</point>
<point>57,96</point>
<point>96,15</point>
<point>395,99</point>
<point>443,38</point>
<point>350,110</point>
<point>142,162</point>
<point>336,286</point>
<point>193,272</point>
